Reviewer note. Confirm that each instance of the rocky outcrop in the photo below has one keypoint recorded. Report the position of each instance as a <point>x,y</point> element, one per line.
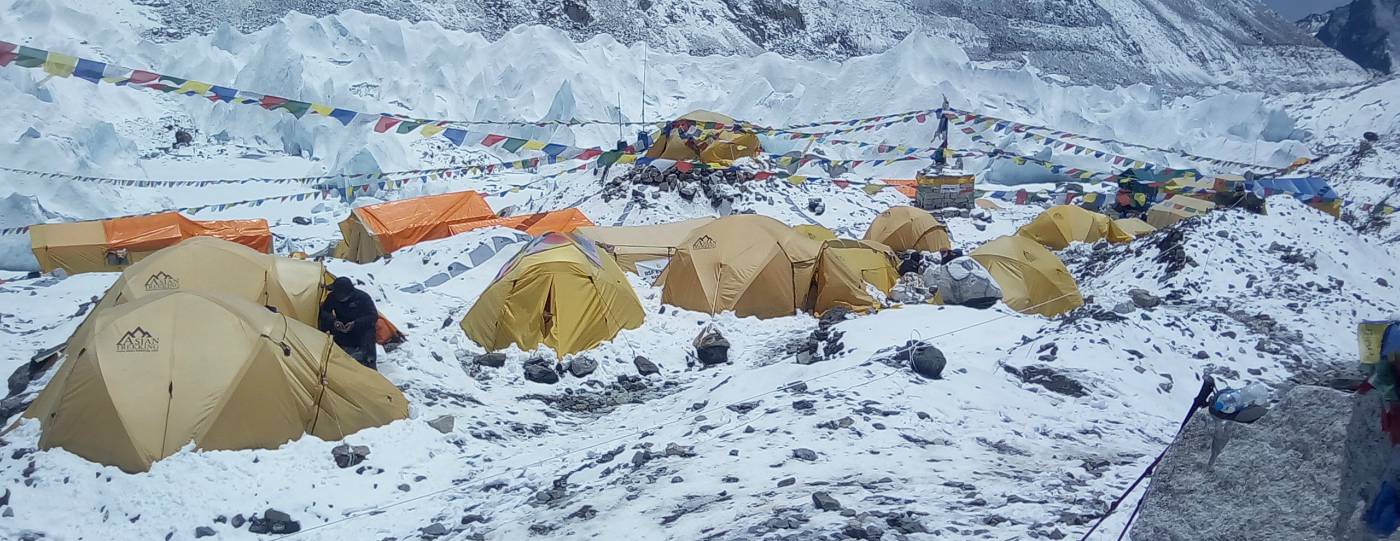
<point>1365,31</point>
<point>1305,471</point>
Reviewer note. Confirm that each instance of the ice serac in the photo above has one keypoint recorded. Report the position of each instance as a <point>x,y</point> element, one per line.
<point>1181,43</point>
<point>1365,31</point>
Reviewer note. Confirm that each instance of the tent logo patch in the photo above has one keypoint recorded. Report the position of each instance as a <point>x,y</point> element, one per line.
<point>138,341</point>
<point>704,243</point>
<point>161,281</point>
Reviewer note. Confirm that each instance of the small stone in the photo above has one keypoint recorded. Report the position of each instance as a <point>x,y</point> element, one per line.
<point>1381,282</point>
<point>848,512</point>
<point>645,367</point>
<point>677,479</point>
<point>237,521</point>
<point>582,366</point>
<point>825,502</point>
<point>804,454</point>
<point>787,482</point>
<point>803,405</point>
<point>221,519</point>
<point>10,512</point>
<point>433,531</point>
<point>404,487</point>
<point>730,479</point>
<point>925,359</point>
<point>493,360</point>
<point>443,424</point>
<point>1202,354</point>
<point>541,373</point>
<point>473,519</point>
<point>1144,299</point>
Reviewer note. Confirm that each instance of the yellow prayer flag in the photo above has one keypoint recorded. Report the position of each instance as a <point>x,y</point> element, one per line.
<point>60,65</point>
<point>534,145</point>
<point>194,87</point>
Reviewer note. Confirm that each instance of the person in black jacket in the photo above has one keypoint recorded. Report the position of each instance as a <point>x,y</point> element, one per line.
<point>349,315</point>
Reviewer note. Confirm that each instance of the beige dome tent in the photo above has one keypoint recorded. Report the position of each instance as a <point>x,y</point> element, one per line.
<point>561,291</point>
<point>1061,225</point>
<point>159,372</point>
<point>1032,278</point>
<point>906,228</point>
<point>1176,209</point>
<point>750,264</point>
<point>294,287</point>
<point>695,137</point>
<point>843,270</point>
<point>633,244</point>
<point>1134,226</point>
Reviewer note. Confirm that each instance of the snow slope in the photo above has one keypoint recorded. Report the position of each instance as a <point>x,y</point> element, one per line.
<point>1004,457</point>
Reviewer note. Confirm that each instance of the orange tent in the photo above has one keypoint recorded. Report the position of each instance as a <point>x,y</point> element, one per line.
<point>539,223</point>
<point>111,245</point>
<point>375,230</point>
<point>908,187</point>
<point>151,233</point>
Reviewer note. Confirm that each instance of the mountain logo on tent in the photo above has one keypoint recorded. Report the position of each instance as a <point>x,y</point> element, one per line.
<point>161,281</point>
<point>138,341</point>
<point>704,243</point>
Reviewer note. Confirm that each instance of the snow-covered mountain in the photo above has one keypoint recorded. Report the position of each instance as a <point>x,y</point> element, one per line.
<point>1177,43</point>
<point>1366,31</point>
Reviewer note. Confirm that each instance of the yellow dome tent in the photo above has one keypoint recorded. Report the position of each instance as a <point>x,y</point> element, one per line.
<point>815,232</point>
<point>560,291</point>
<point>157,373</point>
<point>1061,225</point>
<point>750,264</point>
<point>906,228</point>
<point>1134,226</point>
<point>292,286</point>
<point>688,138</point>
<point>843,269</point>
<point>1032,278</point>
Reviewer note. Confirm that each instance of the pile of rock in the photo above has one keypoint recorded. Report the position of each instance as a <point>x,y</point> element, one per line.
<point>718,186</point>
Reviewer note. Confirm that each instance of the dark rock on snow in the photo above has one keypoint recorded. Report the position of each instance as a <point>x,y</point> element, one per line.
<point>804,454</point>
<point>645,367</point>
<point>539,371</point>
<point>203,531</point>
<point>1050,379</point>
<point>825,502</point>
<point>582,366</point>
<point>443,424</point>
<point>347,455</point>
<point>274,521</point>
<point>493,360</point>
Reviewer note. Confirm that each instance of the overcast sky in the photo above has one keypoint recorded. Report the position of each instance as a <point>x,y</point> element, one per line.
<point>1293,10</point>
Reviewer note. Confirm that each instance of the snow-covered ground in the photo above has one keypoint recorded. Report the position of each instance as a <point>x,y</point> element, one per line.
<point>1036,426</point>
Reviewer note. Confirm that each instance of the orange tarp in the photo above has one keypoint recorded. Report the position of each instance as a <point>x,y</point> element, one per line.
<point>909,187</point>
<point>151,233</point>
<point>556,221</point>
<point>397,224</point>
